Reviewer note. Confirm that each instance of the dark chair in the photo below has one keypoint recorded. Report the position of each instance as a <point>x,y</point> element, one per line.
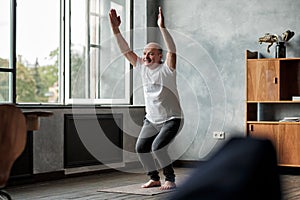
<point>243,169</point>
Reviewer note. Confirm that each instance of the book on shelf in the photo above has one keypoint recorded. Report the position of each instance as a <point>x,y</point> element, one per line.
<point>296,98</point>
<point>290,119</point>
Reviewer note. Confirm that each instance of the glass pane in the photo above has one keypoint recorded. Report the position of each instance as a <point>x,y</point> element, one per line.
<point>94,75</point>
<point>94,29</point>
<point>38,32</point>
<point>78,72</point>
<point>112,79</point>
<point>4,33</point>
<point>5,87</point>
<point>94,22</point>
<point>112,62</point>
<point>78,69</point>
<point>97,68</point>
<point>94,6</point>
<point>139,41</point>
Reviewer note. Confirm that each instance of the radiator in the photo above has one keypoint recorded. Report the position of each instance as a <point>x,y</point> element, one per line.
<point>85,144</point>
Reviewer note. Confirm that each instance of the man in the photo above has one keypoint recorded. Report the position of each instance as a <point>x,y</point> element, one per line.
<point>163,111</point>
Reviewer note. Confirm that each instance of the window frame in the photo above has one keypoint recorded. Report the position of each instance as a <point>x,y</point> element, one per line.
<point>127,100</point>
<point>64,60</point>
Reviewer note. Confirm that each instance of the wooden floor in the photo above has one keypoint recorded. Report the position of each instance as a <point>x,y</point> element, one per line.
<point>87,187</point>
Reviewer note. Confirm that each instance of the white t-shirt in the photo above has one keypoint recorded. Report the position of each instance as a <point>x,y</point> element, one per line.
<point>160,92</point>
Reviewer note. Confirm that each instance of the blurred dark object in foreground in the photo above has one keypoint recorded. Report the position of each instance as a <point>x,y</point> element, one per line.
<point>243,169</point>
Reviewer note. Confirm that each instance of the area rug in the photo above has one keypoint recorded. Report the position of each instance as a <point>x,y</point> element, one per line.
<point>135,189</point>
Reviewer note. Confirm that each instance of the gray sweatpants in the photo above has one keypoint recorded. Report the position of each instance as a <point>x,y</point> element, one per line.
<point>153,141</point>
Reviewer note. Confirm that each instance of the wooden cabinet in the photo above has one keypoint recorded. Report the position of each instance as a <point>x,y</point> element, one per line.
<point>271,85</point>
<point>285,138</point>
<point>262,80</point>
<point>289,144</point>
<point>265,130</point>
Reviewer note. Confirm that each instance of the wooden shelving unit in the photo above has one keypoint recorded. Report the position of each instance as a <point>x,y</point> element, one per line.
<point>271,82</point>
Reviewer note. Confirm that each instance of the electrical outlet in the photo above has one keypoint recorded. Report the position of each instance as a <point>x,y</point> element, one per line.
<point>220,135</point>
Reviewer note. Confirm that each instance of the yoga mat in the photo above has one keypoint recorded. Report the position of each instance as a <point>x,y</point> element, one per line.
<point>135,189</point>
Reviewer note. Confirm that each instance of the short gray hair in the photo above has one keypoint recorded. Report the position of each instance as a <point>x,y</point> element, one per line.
<point>155,45</point>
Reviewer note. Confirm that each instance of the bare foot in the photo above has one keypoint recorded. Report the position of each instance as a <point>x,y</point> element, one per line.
<point>151,183</point>
<point>168,185</point>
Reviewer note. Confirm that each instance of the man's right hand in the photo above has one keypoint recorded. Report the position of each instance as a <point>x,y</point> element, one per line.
<point>115,20</point>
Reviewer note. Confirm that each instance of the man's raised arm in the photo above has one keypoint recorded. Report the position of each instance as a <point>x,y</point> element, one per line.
<point>115,22</point>
<point>171,47</point>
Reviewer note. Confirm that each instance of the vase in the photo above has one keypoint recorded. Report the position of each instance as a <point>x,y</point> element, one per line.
<point>280,51</point>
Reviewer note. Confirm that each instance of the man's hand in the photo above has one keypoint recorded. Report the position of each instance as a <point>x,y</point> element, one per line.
<point>115,20</point>
<point>160,20</point>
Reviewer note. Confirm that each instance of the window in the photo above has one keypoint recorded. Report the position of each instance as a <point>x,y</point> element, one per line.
<point>6,68</point>
<point>38,33</point>
<point>62,51</point>
<point>98,72</point>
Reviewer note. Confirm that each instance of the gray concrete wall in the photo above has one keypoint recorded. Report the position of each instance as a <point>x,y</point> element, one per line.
<point>211,38</point>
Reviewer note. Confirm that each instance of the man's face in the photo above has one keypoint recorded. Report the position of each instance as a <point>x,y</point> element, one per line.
<point>152,56</point>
